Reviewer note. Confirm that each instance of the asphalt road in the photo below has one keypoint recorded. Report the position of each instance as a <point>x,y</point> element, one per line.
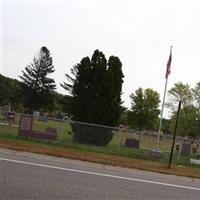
<point>32,176</point>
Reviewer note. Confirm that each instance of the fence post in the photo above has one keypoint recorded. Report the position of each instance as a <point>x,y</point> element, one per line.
<point>172,149</point>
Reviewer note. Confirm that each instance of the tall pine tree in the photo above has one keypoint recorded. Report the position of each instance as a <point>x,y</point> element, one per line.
<point>96,96</point>
<point>38,87</point>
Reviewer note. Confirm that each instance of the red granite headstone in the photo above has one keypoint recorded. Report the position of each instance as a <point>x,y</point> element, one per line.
<point>25,125</point>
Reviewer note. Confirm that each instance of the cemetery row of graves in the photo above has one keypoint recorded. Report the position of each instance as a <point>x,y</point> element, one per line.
<point>125,142</point>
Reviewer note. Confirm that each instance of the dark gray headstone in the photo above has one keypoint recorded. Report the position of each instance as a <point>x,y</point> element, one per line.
<point>186,149</point>
<point>132,143</point>
<point>155,155</point>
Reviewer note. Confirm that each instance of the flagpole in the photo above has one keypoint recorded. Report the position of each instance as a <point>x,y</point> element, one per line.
<point>163,103</point>
<point>161,116</point>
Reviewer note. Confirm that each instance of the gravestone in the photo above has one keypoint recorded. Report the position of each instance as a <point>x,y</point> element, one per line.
<point>25,130</point>
<point>186,149</point>
<point>25,124</point>
<point>5,110</point>
<point>36,114</point>
<point>132,143</point>
<point>155,155</point>
<point>10,117</point>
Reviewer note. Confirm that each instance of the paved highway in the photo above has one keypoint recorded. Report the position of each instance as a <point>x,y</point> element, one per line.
<point>32,176</point>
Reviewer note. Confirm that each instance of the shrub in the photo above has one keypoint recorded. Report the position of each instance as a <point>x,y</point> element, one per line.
<point>94,135</point>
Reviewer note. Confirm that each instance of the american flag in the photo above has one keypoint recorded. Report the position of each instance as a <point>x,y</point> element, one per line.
<point>168,70</point>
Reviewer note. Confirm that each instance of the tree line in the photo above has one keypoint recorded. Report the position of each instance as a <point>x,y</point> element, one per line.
<point>94,88</point>
<point>144,112</point>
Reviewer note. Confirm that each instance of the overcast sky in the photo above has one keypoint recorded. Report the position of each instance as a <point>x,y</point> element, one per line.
<point>139,32</point>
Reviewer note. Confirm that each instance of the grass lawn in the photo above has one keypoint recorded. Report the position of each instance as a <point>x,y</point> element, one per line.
<point>63,130</point>
<point>113,148</point>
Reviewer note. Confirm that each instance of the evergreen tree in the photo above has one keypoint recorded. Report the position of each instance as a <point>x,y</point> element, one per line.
<point>38,87</point>
<point>96,96</point>
<point>115,69</point>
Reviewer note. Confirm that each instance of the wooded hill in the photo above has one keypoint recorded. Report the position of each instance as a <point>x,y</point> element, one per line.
<point>11,92</point>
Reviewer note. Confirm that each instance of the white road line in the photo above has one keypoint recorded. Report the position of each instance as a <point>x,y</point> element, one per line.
<point>101,174</point>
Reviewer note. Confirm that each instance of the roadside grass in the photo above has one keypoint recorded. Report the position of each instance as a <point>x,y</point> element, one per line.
<point>81,154</point>
<point>114,148</point>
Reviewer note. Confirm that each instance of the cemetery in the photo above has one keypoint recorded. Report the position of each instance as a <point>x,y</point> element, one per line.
<point>125,142</point>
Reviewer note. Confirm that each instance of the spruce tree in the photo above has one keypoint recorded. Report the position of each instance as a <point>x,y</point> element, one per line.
<point>38,87</point>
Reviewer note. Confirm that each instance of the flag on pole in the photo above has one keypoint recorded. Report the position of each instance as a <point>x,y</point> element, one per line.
<point>168,70</point>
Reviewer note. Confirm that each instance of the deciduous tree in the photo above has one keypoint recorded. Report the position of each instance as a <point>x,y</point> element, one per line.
<point>188,122</point>
<point>196,92</point>
<point>144,109</point>
<point>180,92</point>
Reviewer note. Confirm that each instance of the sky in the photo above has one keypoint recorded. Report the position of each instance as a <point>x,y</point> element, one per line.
<point>139,32</point>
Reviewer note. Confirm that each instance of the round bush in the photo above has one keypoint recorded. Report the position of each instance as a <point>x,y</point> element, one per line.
<point>88,134</point>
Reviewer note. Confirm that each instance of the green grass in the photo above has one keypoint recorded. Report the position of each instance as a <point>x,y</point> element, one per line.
<point>63,130</point>
<point>145,141</point>
<point>8,131</point>
<point>142,154</point>
<point>113,148</point>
